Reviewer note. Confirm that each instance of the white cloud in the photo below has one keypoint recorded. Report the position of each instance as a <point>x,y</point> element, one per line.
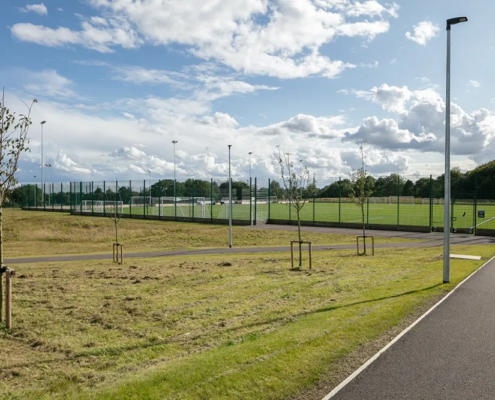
<point>423,32</point>
<point>64,163</point>
<point>421,126</point>
<point>371,8</point>
<point>93,35</point>
<point>274,38</point>
<point>391,98</point>
<point>315,127</point>
<point>474,84</point>
<point>48,83</point>
<point>36,8</point>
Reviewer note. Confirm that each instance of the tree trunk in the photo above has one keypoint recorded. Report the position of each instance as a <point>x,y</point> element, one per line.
<point>1,261</point>
<point>299,235</point>
<point>364,229</point>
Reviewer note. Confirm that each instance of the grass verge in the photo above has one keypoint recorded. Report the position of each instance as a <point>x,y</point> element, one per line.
<point>29,233</point>
<point>224,327</point>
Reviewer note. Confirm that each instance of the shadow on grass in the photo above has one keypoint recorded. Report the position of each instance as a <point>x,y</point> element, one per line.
<point>115,351</point>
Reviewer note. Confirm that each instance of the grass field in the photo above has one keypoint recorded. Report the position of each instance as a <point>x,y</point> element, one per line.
<point>222,327</point>
<point>382,214</point>
<point>30,233</point>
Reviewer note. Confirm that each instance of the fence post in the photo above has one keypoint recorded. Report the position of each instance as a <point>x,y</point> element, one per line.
<point>250,201</point>
<point>269,195</point>
<point>211,199</point>
<point>475,204</point>
<point>70,196</point>
<point>130,199</point>
<point>255,201</point>
<point>314,209</point>
<point>80,197</point>
<point>53,195</point>
<point>61,196</point>
<point>105,198</point>
<point>144,197</point>
<point>340,198</point>
<point>398,201</point>
<point>159,198</point>
<point>193,205</point>
<point>175,200</point>
<point>43,203</point>
<point>431,203</point>
<point>367,212</point>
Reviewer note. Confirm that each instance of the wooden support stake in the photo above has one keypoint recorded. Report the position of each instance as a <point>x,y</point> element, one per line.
<point>116,248</point>
<point>292,252</point>
<point>364,241</point>
<point>8,298</point>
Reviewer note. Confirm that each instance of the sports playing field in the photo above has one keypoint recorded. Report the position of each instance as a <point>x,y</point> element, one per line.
<point>464,214</point>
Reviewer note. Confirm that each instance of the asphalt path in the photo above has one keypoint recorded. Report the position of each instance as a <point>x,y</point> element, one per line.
<point>226,251</point>
<point>430,240</point>
<point>450,354</point>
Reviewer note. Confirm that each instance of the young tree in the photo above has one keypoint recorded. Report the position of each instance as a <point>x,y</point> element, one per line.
<point>361,188</point>
<point>13,142</point>
<point>300,186</point>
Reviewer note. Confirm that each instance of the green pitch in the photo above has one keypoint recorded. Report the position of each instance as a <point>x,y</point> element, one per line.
<point>380,214</point>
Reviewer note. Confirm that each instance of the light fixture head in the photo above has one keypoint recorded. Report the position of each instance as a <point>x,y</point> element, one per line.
<point>43,122</point>
<point>454,21</point>
<point>174,141</point>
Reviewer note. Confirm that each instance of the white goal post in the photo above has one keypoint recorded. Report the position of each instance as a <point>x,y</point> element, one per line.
<point>100,206</point>
<point>401,199</point>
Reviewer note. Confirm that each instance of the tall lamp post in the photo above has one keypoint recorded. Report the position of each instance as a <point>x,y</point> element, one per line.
<point>174,142</point>
<point>446,215</point>
<point>230,202</point>
<point>42,165</point>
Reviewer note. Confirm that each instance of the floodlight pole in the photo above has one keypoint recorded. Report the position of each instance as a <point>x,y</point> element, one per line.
<point>447,194</point>
<point>42,166</point>
<point>230,202</point>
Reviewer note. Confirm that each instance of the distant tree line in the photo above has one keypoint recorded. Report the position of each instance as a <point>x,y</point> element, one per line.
<point>480,181</point>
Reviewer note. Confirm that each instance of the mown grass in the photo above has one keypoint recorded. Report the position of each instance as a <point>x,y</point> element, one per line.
<point>221,327</point>
<point>29,233</point>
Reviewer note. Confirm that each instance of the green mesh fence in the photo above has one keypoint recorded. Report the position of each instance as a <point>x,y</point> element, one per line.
<point>261,200</point>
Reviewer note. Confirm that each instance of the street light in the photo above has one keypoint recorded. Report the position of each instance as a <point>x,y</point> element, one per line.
<point>174,142</point>
<point>446,215</point>
<point>41,165</point>
<point>230,202</point>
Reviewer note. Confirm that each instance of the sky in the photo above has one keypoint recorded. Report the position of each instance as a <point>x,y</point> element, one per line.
<point>118,80</point>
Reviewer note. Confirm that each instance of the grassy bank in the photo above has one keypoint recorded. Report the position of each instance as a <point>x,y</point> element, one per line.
<point>220,327</point>
<point>29,233</point>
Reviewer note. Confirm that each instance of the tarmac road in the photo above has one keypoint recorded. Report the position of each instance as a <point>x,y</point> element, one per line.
<point>450,354</point>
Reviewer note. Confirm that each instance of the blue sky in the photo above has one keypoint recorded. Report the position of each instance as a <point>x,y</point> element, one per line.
<point>118,80</point>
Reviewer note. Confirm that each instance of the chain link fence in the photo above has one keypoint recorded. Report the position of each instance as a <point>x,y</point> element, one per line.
<point>264,200</point>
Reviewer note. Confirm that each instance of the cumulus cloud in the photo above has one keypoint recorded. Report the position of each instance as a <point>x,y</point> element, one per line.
<point>64,163</point>
<point>274,38</point>
<point>423,32</point>
<point>301,124</point>
<point>420,124</point>
<point>93,35</point>
<point>474,84</point>
<point>378,162</point>
<point>36,8</point>
<point>49,83</point>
